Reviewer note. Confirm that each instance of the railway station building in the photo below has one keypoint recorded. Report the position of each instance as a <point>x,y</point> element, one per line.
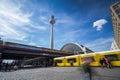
<point>75,48</point>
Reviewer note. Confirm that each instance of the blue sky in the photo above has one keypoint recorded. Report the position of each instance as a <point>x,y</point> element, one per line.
<point>86,22</point>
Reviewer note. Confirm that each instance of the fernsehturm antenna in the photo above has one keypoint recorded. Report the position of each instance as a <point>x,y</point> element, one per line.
<point>52,22</point>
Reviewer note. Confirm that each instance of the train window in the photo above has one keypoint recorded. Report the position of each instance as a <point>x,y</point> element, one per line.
<point>89,59</point>
<point>112,57</point>
<point>71,60</point>
<point>58,61</point>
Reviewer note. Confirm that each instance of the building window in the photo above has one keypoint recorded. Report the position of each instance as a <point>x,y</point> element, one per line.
<point>115,7</point>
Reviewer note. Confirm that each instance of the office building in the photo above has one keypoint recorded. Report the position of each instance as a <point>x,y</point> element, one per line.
<point>115,14</point>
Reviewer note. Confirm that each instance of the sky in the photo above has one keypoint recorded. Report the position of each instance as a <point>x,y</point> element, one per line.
<point>86,22</point>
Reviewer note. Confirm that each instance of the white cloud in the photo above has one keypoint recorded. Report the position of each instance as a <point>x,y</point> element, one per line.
<point>99,24</point>
<point>70,36</point>
<point>45,19</point>
<point>14,22</point>
<point>32,43</point>
<point>38,27</point>
<point>63,18</point>
<point>101,44</point>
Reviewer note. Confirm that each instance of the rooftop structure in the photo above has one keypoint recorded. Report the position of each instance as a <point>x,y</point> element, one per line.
<point>76,48</point>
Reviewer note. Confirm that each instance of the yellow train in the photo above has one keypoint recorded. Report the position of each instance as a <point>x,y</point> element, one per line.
<point>93,58</point>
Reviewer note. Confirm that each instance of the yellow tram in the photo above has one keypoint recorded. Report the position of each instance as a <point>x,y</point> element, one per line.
<point>93,58</point>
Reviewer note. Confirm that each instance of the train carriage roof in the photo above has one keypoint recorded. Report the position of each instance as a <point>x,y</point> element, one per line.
<point>105,52</point>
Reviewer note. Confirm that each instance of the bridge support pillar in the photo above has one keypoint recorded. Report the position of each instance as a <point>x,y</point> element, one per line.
<point>22,62</point>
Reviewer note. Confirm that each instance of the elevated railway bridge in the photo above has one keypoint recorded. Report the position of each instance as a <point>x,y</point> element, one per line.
<point>16,51</point>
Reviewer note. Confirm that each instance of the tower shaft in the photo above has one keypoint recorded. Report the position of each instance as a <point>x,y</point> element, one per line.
<point>52,22</point>
<point>52,37</point>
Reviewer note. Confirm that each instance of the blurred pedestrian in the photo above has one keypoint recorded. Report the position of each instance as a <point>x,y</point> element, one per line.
<point>0,65</point>
<point>108,63</point>
<point>15,67</point>
<point>102,62</point>
<point>87,70</point>
<point>6,66</point>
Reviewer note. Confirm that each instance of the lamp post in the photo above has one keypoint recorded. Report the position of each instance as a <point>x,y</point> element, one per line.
<point>52,22</point>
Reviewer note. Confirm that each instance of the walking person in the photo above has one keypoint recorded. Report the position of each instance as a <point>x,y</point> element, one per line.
<point>108,63</point>
<point>0,66</point>
<point>102,62</point>
<point>87,71</point>
<point>6,66</point>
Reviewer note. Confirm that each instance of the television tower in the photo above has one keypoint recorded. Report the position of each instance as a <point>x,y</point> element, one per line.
<point>52,22</point>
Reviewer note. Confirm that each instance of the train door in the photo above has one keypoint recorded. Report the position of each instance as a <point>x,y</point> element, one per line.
<point>79,60</point>
<point>71,61</point>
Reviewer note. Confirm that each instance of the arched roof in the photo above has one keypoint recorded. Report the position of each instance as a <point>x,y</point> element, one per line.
<point>75,48</point>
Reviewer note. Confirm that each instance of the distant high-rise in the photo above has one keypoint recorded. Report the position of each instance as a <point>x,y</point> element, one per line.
<point>115,13</point>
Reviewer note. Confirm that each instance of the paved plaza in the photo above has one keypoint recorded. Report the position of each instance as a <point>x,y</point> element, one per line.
<point>58,73</point>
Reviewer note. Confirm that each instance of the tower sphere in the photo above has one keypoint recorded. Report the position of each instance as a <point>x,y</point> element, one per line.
<point>52,21</point>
